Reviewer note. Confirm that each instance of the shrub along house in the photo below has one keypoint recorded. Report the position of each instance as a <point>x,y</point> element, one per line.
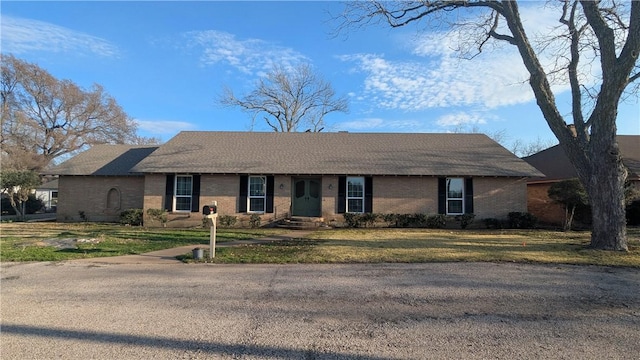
<point>323,175</point>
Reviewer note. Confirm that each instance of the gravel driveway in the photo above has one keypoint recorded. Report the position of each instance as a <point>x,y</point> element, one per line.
<point>79,310</point>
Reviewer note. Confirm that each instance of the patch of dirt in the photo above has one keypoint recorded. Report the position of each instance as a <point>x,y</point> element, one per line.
<point>66,243</point>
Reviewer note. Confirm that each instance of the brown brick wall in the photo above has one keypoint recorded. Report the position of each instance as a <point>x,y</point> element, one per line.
<point>497,197</point>
<point>101,198</point>
<point>540,205</point>
<point>493,197</point>
<point>329,198</point>
<point>223,189</point>
<point>405,195</point>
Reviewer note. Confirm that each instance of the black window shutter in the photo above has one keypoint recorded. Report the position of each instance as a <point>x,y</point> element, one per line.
<point>242,199</point>
<point>442,195</point>
<point>195,194</point>
<point>269,204</point>
<point>468,196</point>
<point>168,193</point>
<point>368,194</point>
<point>342,194</point>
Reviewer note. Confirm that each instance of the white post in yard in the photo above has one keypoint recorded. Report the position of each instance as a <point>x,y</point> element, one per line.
<point>212,232</point>
<point>212,236</point>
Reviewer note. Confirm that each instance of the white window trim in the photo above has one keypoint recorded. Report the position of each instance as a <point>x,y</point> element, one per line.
<point>263,197</point>
<point>176,196</point>
<point>347,197</point>
<point>461,199</point>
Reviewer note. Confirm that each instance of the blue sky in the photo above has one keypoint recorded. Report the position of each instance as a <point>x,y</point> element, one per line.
<point>166,63</point>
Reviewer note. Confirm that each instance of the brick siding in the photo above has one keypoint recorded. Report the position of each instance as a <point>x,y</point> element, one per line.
<point>493,197</point>
<point>542,206</point>
<point>101,198</point>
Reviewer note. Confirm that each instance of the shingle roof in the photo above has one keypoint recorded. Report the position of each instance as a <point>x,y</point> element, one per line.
<point>106,160</point>
<point>334,153</point>
<point>555,164</point>
<point>49,185</point>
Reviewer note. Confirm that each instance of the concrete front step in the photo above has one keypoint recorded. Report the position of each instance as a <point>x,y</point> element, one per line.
<point>299,222</point>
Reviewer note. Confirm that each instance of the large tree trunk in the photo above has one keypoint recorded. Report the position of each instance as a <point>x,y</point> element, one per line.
<point>605,187</point>
<point>601,170</point>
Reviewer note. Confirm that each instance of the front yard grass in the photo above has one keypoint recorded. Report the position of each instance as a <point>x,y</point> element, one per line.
<point>65,241</point>
<point>29,242</point>
<point>424,245</point>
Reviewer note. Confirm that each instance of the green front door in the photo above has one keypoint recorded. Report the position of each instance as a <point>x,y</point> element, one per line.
<point>306,197</point>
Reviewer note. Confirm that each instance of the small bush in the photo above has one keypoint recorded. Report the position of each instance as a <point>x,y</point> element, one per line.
<point>227,220</point>
<point>417,220</point>
<point>6,207</point>
<point>492,223</point>
<point>352,220</point>
<point>633,213</point>
<point>31,206</point>
<point>159,215</point>
<point>465,220</point>
<point>438,221</point>
<point>390,219</point>
<point>131,217</point>
<point>404,220</point>
<point>369,219</point>
<point>411,220</point>
<point>521,220</point>
<point>255,221</point>
<point>355,220</point>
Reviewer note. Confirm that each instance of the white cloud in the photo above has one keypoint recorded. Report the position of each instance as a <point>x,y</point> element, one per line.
<point>378,124</point>
<point>460,119</point>
<point>21,35</point>
<point>163,127</point>
<point>443,82</point>
<point>251,56</point>
<point>436,77</point>
<point>362,124</point>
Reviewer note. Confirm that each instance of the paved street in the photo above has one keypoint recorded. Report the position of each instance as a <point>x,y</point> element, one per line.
<point>83,310</point>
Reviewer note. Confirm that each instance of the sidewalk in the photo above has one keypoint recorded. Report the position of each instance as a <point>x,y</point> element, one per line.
<point>168,256</point>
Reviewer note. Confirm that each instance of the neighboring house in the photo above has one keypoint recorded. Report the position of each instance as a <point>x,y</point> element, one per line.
<point>98,184</point>
<point>279,175</point>
<point>555,165</point>
<point>48,193</point>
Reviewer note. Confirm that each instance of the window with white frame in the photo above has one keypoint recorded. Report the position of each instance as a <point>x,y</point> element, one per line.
<point>455,196</point>
<point>183,192</point>
<point>355,194</point>
<point>257,193</point>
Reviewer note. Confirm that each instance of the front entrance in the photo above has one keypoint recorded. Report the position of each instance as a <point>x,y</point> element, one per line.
<point>306,197</point>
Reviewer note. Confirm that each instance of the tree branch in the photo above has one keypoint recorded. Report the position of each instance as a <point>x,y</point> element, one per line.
<point>572,68</point>
<point>495,35</point>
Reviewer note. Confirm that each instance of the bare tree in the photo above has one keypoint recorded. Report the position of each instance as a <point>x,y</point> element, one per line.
<point>289,99</point>
<point>522,149</point>
<point>602,34</point>
<point>44,118</point>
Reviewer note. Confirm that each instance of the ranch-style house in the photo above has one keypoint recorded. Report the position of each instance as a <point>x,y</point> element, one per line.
<point>282,175</point>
